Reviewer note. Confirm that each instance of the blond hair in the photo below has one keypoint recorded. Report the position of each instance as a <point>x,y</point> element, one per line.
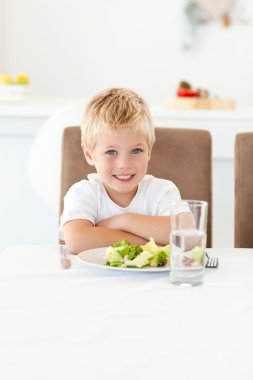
<point>116,108</point>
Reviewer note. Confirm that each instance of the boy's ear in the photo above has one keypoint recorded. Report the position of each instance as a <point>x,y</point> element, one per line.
<point>88,155</point>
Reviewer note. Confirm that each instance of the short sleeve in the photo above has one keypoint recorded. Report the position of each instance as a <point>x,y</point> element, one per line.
<point>169,197</point>
<point>79,203</point>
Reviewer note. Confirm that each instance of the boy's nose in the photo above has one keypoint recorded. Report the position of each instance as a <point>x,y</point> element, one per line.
<point>123,162</point>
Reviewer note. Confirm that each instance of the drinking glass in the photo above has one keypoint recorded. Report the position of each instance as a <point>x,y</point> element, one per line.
<point>188,242</point>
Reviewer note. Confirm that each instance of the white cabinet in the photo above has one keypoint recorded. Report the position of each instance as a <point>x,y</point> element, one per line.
<point>24,218</point>
<point>27,219</point>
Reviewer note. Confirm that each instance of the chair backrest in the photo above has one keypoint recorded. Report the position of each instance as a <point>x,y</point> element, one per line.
<point>244,190</point>
<point>183,156</point>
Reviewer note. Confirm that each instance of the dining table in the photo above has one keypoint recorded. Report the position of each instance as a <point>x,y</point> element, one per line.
<point>93,322</point>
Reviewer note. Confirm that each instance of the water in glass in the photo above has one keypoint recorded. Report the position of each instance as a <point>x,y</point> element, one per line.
<point>187,257</point>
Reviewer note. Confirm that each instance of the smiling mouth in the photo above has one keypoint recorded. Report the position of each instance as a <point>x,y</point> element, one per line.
<point>124,178</point>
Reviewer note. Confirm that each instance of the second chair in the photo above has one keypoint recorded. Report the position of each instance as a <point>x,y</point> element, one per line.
<point>244,190</point>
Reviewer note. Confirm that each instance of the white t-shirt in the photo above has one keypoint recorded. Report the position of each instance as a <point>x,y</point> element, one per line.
<point>89,200</point>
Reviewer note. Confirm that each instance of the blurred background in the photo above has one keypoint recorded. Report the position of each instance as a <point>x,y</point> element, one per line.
<point>64,52</point>
<point>74,48</point>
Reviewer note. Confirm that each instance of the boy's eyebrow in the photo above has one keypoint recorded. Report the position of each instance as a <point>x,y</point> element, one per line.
<point>116,146</point>
<point>110,146</point>
<point>139,144</point>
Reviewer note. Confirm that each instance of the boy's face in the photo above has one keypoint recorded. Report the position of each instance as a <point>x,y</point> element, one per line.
<point>121,159</point>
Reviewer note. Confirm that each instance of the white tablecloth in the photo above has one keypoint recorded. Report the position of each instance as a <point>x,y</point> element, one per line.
<point>99,324</point>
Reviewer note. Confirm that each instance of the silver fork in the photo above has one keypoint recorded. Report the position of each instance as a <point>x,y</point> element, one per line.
<point>65,261</point>
<point>212,262</point>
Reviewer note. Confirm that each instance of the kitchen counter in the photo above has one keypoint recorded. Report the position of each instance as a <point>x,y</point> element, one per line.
<point>28,115</point>
<point>223,125</point>
<point>39,106</point>
<point>31,107</point>
<point>241,113</point>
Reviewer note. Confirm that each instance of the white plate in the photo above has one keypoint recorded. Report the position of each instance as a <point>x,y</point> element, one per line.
<point>96,258</point>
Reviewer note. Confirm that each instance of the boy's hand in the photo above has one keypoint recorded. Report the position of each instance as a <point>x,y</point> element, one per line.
<point>114,222</point>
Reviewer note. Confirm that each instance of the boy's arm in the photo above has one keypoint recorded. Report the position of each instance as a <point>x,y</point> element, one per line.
<point>80,235</point>
<point>145,226</point>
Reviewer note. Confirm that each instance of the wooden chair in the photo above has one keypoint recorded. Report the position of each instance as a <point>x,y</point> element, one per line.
<point>244,190</point>
<point>182,155</point>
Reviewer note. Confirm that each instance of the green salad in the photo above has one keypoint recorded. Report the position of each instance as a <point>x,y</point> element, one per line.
<point>123,254</point>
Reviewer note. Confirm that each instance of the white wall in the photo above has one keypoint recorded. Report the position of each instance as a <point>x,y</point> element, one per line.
<point>77,47</point>
<point>1,37</point>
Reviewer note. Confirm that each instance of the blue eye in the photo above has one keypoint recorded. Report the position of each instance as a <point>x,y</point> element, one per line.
<point>111,152</point>
<point>136,151</point>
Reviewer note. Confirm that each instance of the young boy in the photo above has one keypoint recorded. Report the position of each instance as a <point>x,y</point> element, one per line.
<point>120,201</point>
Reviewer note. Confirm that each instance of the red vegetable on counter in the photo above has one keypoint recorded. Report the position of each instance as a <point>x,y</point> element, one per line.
<point>187,92</point>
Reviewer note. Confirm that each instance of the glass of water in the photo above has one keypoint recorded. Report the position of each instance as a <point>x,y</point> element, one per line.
<point>188,242</point>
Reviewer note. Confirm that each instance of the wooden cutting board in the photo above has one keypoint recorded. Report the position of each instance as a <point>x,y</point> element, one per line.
<point>200,103</point>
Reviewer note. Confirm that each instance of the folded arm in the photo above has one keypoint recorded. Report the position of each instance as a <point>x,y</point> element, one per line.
<point>80,235</point>
<point>145,226</point>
